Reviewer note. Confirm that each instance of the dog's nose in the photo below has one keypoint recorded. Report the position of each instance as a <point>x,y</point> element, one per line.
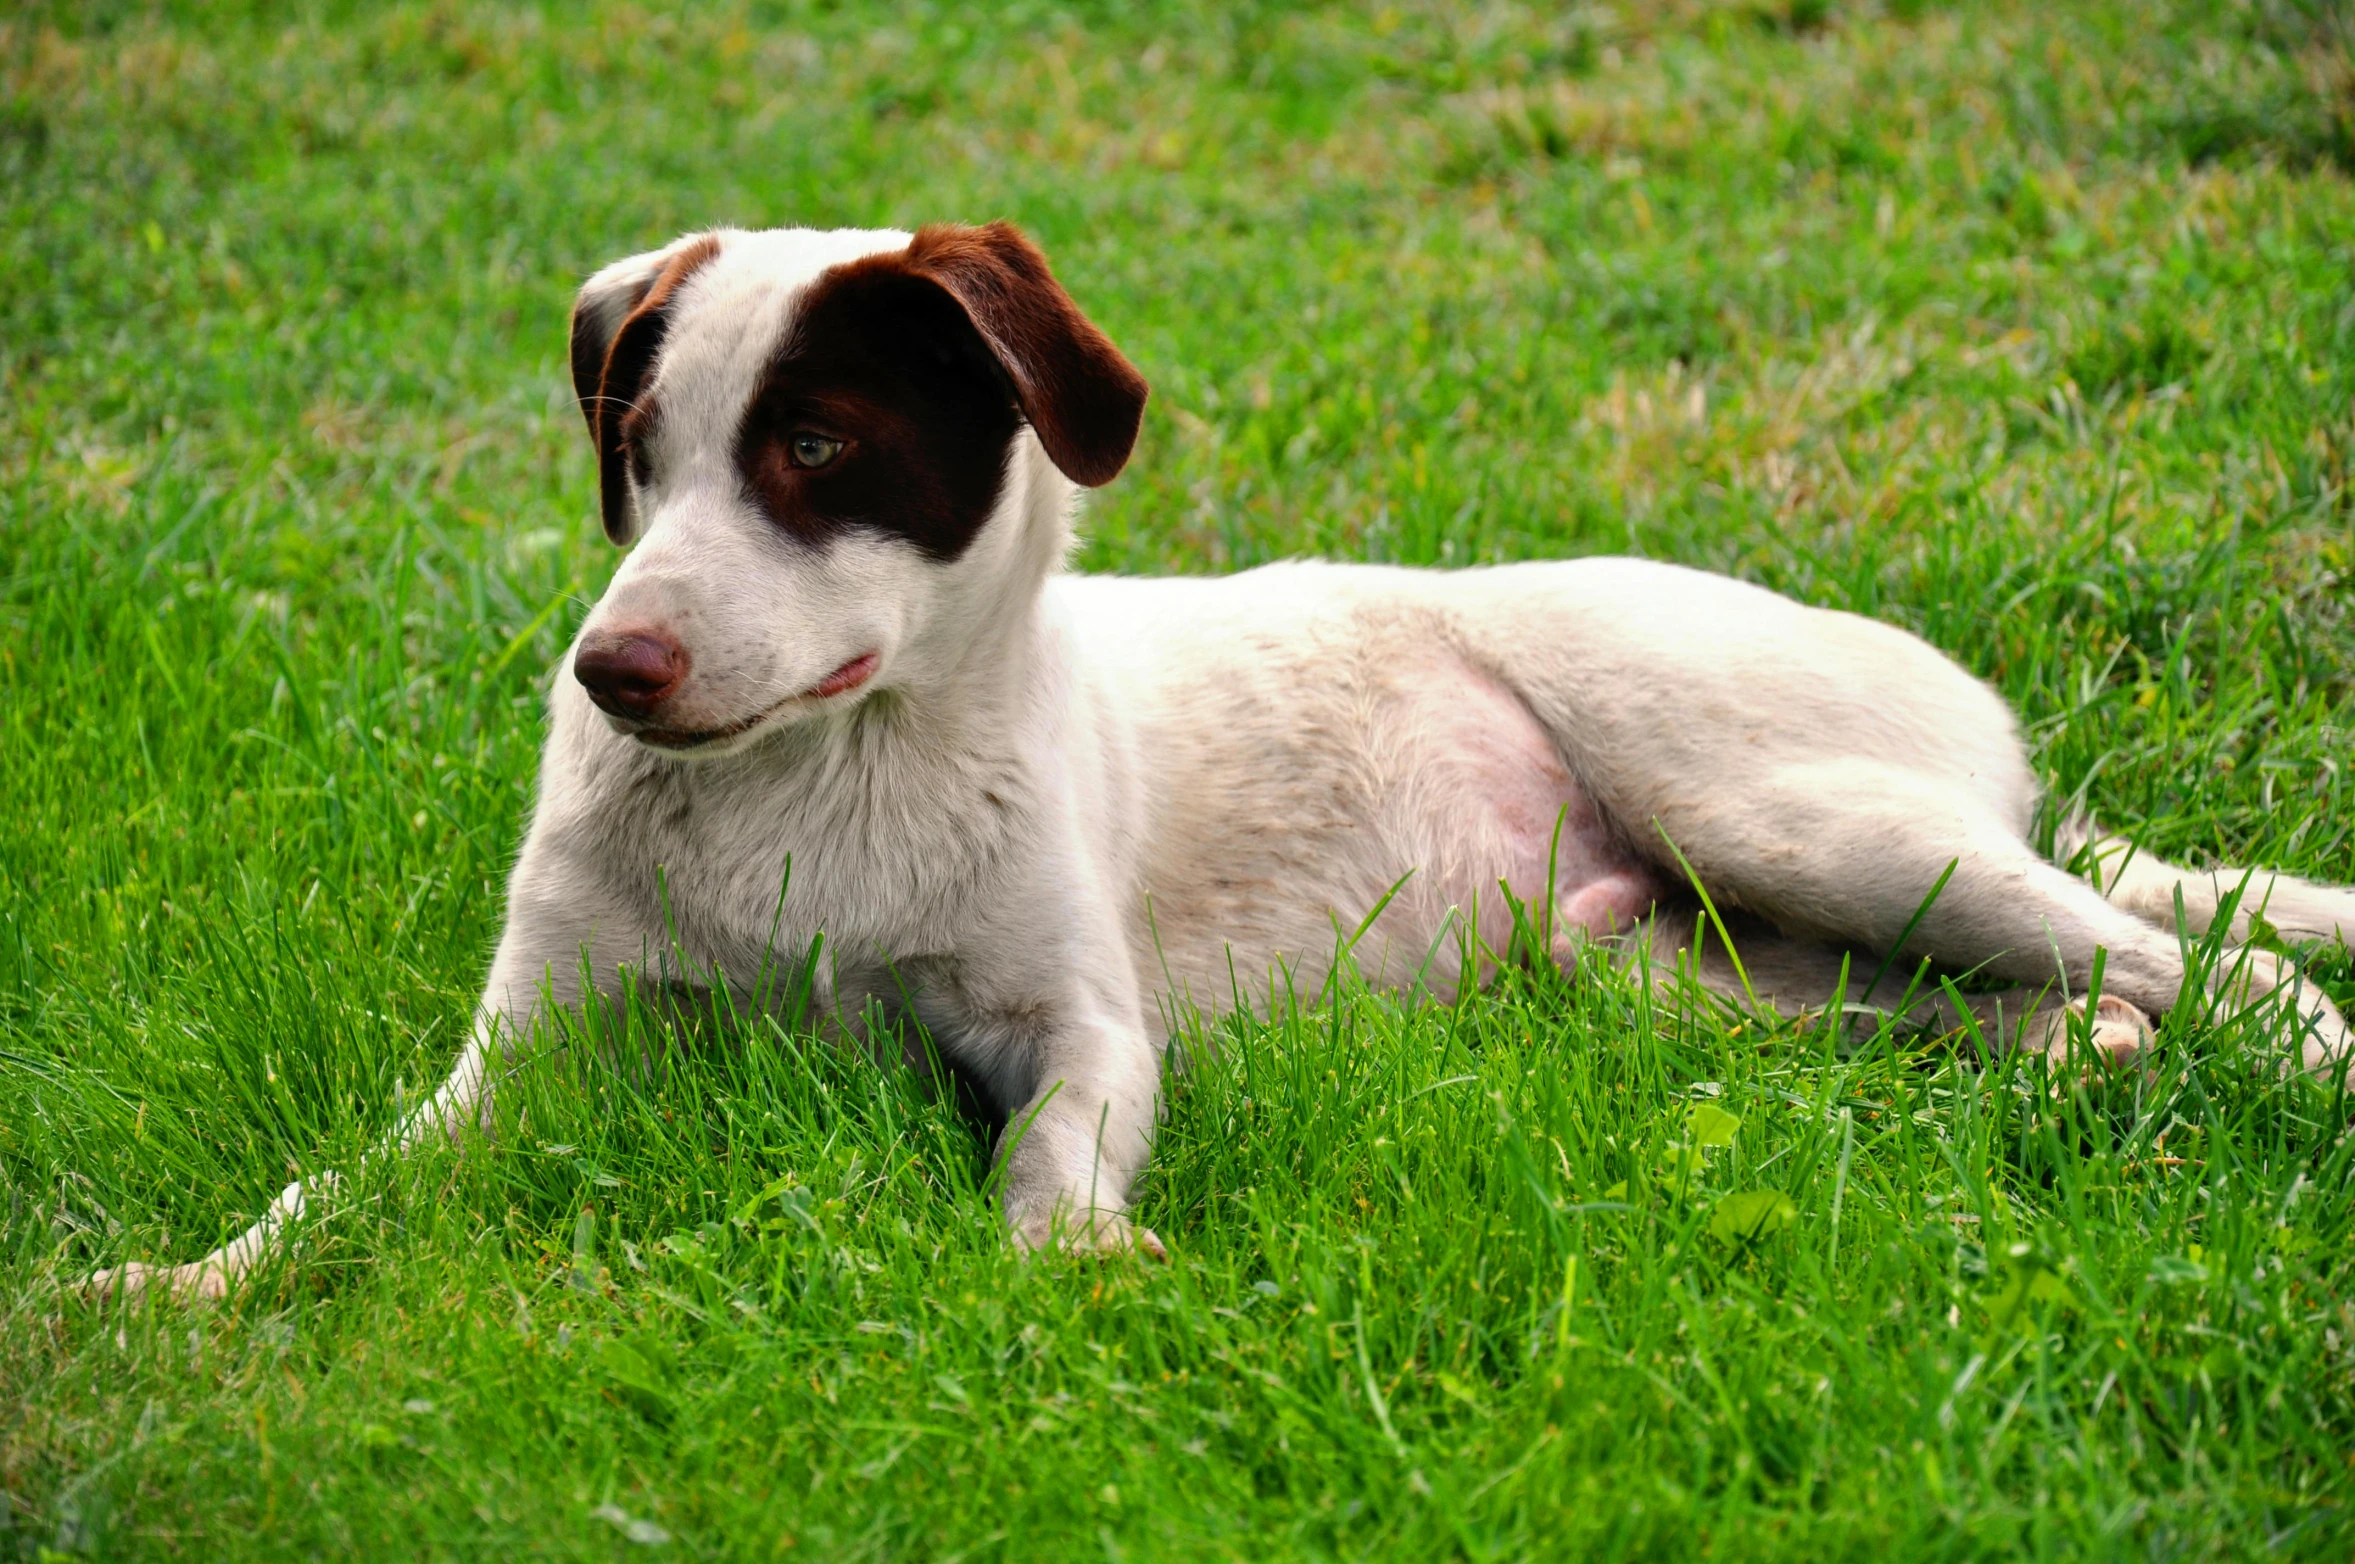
<point>629,674</point>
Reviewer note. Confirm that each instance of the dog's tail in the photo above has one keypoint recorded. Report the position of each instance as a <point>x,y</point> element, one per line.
<point>2135,881</point>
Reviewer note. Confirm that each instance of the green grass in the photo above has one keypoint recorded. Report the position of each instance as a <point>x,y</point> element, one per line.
<point>2029,327</point>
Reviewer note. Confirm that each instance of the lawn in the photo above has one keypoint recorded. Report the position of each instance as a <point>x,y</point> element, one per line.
<point>2027,327</point>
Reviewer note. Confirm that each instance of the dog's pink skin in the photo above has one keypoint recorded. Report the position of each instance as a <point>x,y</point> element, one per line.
<point>1478,813</point>
<point>846,678</point>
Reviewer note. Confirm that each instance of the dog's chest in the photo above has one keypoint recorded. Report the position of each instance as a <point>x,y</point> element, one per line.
<point>746,865</point>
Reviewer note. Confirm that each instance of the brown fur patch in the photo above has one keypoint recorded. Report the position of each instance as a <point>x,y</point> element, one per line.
<point>1082,396</point>
<point>923,363</point>
<point>887,364</point>
<point>610,397</point>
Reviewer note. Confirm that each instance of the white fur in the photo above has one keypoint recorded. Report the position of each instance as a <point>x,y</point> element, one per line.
<point>1064,807</point>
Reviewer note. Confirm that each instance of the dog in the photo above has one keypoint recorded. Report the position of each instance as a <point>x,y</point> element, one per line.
<point>1045,814</point>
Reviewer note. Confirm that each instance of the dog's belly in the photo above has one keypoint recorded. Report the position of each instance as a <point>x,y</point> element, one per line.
<point>1330,782</point>
<point>1476,808</point>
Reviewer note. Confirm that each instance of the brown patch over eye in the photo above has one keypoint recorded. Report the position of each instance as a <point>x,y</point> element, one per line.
<point>883,412</point>
<point>892,404</point>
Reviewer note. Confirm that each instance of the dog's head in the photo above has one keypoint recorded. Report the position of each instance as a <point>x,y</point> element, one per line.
<point>844,457</point>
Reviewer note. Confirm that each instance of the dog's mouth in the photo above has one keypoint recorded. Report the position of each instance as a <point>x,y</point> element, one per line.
<point>841,681</point>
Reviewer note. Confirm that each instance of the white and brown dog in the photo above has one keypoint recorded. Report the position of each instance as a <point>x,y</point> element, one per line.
<point>1047,812</point>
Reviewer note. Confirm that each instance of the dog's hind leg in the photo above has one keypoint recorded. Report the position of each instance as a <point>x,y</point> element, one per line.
<point>1849,853</point>
<point>2300,911</point>
<point>1797,978</point>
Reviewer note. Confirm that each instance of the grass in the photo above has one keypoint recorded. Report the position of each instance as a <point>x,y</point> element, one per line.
<point>2027,327</point>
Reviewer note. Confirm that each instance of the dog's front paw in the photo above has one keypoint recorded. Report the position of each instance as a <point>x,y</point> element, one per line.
<point>1091,1231</point>
<point>203,1281</point>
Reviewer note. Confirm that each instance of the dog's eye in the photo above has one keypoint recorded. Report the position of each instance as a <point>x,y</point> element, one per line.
<point>812,450</point>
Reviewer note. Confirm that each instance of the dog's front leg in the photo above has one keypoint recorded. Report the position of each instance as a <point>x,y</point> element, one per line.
<point>552,927</point>
<point>1071,1154</point>
<point>464,1094</point>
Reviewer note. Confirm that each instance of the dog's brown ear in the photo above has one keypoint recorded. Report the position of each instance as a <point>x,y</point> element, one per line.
<point>618,324</point>
<point>1081,396</point>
